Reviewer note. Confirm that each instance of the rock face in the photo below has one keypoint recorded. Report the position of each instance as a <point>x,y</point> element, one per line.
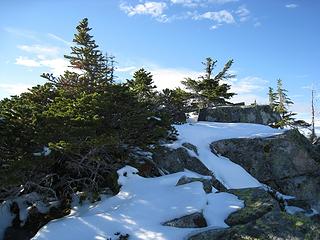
<point>175,160</point>
<point>194,220</point>
<point>207,185</point>
<point>288,163</point>
<point>260,114</point>
<point>261,218</point>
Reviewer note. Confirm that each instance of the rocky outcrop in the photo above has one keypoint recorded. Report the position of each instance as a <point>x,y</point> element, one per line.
<point>176,160</point>
<point>194,220</point>
<point>260,114</point>
<point>207,184</point>
<point>288,163</point>
<point>261,218</point>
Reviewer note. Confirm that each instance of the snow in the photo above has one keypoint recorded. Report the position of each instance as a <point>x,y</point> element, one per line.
<point>202,134</point>
<point>140,208</point>
<point>144,204</point>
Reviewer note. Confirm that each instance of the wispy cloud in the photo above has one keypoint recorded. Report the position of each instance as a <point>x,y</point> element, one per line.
<point>291,5</point>
<point>200,3</point>
<point>125,69</point>
<point>53,36</point>
<point>27,62</point>
<point>21,33</point>
<point>219,17</point>
<point>154,9</point>
<point>243,13</point>
<point>40,49</point>
<point>14,89</point>
<point>56,65</point>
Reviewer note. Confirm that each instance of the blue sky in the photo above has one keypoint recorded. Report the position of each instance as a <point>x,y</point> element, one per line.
<point>268,39</point>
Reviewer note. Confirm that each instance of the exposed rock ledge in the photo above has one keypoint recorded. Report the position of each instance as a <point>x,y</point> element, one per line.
<point>288,163</point>
<point>260,114</point>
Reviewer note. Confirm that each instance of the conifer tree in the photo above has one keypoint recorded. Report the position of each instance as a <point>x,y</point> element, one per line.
<point>90,66</point>
<point>272,97</point>
<point>142,85</point>
<point>281,105</point>
<point>208,89</point>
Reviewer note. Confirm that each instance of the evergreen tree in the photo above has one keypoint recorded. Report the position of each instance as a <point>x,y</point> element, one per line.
<point>272,97</point>
<point>281,105</point>
<point>142,85</point>
<point>175,103</point>
<point>209,90</point>
<point>91,69</point>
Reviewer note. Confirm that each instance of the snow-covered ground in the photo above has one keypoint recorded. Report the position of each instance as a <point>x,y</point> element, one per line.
<point>143,204</point>
<point>141,207</point>
<point>201,134</point>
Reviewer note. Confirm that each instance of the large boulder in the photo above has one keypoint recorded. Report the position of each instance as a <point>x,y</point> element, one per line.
<point>261,218</point>
<point>194,220</point>
<point>170,160</point>
<point>260,114</point>
<point>288,163</point>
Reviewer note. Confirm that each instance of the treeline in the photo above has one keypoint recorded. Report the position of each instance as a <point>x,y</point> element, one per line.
<point>73,132</point>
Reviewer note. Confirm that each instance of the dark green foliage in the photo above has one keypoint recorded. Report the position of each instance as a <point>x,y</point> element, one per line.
<point>85,119</point>
<point>208,90</point>
<point>175,103</point>
<point>141,85</point>
<point>280,102</point>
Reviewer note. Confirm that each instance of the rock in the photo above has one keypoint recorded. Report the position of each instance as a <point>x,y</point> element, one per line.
<point>191,147</point>
<point>257,203</point>
<point>261,114</point>
<point>17,233</point>
<point>288,163</point>
<point>261,218</point>
<point>176,160</point>
<point>298,203</point>
<point>273,225</point>
<point>194,220</point>
<point>207,187</point>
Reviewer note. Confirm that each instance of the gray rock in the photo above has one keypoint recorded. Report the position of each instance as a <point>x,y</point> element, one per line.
<point>261,218</point>
<point>261,114</point>
<point>191,147</point>
<point>286,162</point>
<point>176,160</point>
<point>257,203</point>
<point>207,187</point>
<point>194,220</point>
<point>271,226</point>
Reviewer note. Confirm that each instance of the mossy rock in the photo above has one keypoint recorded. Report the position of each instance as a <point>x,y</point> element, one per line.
<point>257,203</point>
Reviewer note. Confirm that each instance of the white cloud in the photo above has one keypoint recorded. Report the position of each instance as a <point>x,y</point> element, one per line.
<point>27,62</point>
<point>40,49</point>
<point>53,36</point>
<point>243,13</point>
<point>222,16</point>
<point>249,84</point>
<point>291,5</point>
<point>171,77</point>
<point>125,69</point>
<point>21,33</point>
<point>250,89</point>
<point>56,65</point>
<point>200,3</point>
<point>257,24</point>
<point>154,9</point>
<point>14,89</point>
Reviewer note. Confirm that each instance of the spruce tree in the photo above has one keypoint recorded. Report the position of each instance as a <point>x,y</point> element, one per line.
<point>90,66</point>
<point>209,90</point>
<point>272,97</point>
<point>281,105</point>
<point>142,85</point>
